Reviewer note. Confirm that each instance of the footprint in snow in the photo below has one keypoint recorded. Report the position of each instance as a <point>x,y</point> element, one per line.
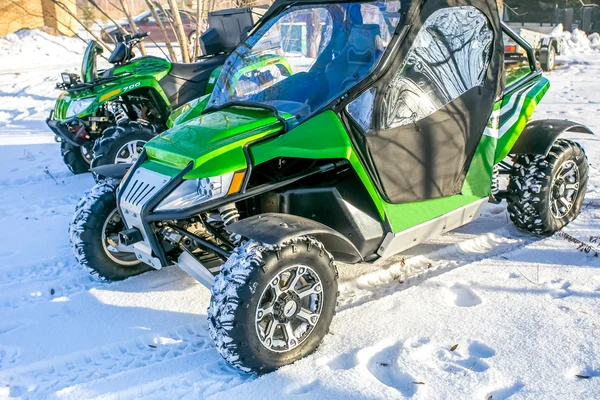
<point>559,289</point>
<point>471,358</point>
<point>461,295</point>
<point>382,362</point>
<point>503,393</point>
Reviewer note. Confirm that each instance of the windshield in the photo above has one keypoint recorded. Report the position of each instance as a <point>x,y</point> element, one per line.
<point>308,55</point>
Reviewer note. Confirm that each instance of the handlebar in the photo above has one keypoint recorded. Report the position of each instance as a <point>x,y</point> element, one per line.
<point>140,35</point>
<point>129,39</point>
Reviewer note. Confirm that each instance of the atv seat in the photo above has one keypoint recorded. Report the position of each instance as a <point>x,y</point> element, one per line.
<point>193,72</point>
<point>186,82</point>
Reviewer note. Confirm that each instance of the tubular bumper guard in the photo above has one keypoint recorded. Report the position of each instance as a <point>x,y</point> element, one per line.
<point>61,129</point>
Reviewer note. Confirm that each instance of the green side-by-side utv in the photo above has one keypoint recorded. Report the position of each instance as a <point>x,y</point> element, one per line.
<point>395,125</point>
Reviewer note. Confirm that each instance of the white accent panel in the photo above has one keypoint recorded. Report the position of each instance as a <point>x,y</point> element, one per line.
<point>394,244</point>
<point>142,186</point>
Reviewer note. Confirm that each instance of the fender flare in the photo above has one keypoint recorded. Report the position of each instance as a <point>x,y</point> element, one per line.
<point>115,171</point>
<point>539,136</point>
<point>276,228</point>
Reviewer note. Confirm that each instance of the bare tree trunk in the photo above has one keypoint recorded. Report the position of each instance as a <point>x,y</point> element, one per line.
<point>199,7</point>
<point>66,9</point>
<point>163,31</point>
<point>183,42</point>
<point>313,35</point>
<point>132,24</point>
<point>92,2</point>
<point>159,6</point>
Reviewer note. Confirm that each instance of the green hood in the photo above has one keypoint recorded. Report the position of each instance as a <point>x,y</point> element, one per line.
<point>214,142</point>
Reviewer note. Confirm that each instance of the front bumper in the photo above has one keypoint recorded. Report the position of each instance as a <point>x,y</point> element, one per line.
<point>62,130</point>
<point>140,192</point>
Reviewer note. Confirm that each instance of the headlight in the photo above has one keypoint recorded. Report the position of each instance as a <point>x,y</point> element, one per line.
<point>78,106</point>
<point>197,191</point>
<point>69,79</point>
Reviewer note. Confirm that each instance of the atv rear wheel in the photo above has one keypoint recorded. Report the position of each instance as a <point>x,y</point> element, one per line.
<point>94,235</point>
<point>271,306</point>
<point>121,144</point>
<point>546,192</point>
<point>76,158</point>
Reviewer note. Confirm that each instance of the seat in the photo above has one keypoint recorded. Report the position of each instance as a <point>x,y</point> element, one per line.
<point>193,72</point>
<point>356,58</point>
<point>186,82</point>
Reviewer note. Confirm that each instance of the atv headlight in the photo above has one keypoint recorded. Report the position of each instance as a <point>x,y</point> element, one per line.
<point>197,191</point>
<point>79,106</point>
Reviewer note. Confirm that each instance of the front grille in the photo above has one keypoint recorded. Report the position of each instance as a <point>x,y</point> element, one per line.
<point>138,191</point>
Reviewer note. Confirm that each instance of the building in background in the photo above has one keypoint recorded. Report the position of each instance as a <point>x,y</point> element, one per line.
<point>20,14</point>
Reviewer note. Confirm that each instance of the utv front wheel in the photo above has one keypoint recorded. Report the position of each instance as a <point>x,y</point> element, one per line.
<point>271,306</point>
<point>121,144</point>
<point>76,158</point>
<point>94,235</point>
<point>546,193</point>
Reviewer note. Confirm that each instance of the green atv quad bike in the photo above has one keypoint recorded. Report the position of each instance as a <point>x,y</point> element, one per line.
<point>106,117</point>
<point>393,128</point>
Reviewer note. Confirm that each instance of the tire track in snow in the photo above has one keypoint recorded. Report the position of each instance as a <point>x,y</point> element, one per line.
<point>25,273</point>
<point>64,206</point>
<point>42,379</point>
<point>13,182</point>
<point>43,283</point>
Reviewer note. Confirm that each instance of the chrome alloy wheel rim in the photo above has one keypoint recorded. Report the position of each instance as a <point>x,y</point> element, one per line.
<point>565,189</point>
<point>86,153</point>
<point>110,241</point>
<point>129,152</point>
<point>289,308</point>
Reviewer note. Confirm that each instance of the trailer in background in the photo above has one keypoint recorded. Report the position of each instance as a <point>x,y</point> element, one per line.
<point>546,45</point>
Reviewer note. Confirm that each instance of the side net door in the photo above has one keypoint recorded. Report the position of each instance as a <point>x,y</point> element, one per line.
<point>427,114</point>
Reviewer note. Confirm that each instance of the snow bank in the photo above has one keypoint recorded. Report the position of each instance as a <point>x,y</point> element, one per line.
<point>36,48</point>
<point>577,42</point>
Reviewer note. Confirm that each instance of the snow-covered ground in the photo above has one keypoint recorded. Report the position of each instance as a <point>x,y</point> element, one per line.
<point>485,312</point>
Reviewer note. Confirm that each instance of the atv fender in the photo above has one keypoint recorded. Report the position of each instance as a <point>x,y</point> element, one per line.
<point>115,171</point>
<point>275,228</point>
<point>539,136</point>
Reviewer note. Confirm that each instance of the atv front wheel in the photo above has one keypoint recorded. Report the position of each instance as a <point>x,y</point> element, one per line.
<point>94,235</point>
<point>76,158</point>
<point>272,305</point>
<point>546,193</point>
<point>121,144</point>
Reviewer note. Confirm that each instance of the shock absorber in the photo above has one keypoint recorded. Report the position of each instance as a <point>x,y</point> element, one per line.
<point>229,214</point>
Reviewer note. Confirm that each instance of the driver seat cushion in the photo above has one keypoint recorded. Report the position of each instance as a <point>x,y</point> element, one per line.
<point>362,50</point>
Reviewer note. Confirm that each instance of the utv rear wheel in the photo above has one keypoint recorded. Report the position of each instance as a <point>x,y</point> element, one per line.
<point>121,144</point>
<point>546,193</point>
<point>271,306</point>
<point>94,235</point>
<point>76,158</point>
<point>548,59</point>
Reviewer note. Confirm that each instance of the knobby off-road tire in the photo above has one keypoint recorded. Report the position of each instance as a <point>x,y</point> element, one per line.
<point>246,287</point>
<point>538,184</point>
<point>73,158</point>
<point>96,213</point>
<point>121,143</point>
